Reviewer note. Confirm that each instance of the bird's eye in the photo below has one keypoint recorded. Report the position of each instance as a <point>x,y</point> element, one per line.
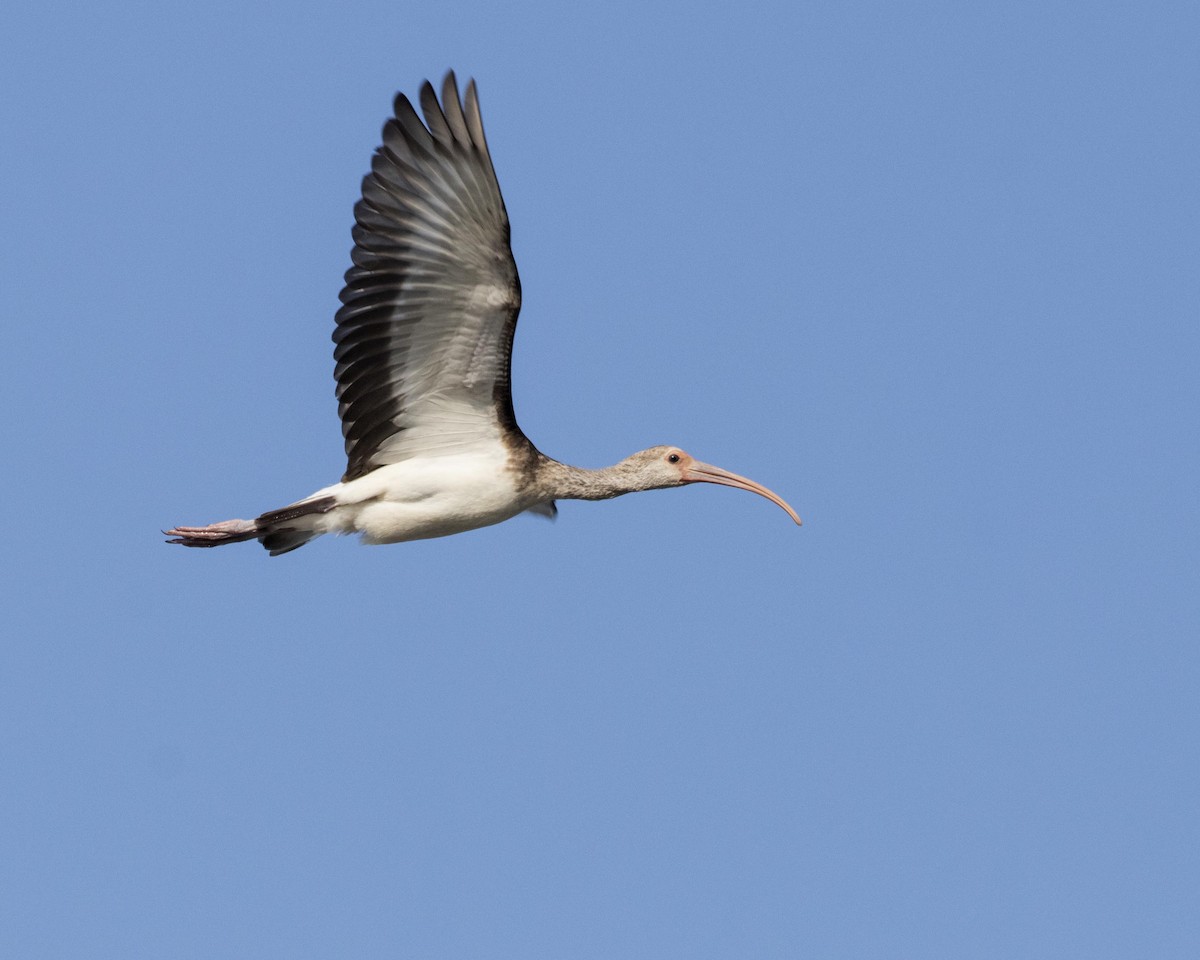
<point>673,458</point>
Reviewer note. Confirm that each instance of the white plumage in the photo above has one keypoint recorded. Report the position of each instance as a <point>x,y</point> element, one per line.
<point>425,497</point>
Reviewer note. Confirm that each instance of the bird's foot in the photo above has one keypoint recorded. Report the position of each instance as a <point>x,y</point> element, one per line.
<point>213,535</point>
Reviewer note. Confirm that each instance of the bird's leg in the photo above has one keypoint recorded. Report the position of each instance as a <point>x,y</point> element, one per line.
<point>213,535</point>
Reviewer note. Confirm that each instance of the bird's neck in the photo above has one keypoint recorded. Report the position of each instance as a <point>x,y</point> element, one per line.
<point>560,481</point>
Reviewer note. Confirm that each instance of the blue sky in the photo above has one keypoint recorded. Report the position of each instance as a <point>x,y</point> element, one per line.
<point>926,269</point>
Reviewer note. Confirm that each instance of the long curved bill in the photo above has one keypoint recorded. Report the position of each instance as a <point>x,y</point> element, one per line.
<point>706,473</point>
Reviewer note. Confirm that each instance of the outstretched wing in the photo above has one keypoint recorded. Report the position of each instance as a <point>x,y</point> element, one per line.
<point>424,336</point>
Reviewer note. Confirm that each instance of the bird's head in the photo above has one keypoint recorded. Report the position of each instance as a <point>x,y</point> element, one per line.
<point>660,467</point>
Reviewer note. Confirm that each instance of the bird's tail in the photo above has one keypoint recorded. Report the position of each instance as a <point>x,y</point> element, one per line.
<point>280,531</point>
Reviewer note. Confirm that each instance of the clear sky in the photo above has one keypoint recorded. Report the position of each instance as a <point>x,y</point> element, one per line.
<point>929,270</point>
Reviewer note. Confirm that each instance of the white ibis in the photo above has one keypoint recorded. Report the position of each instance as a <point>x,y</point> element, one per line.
<point>424,341</point>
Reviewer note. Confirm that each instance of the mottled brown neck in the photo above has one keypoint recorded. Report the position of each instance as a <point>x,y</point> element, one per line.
<point>523,456</point>
<point>559,481</point>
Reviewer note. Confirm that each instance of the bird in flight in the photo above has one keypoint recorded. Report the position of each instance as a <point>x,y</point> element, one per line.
<point>424,343</point>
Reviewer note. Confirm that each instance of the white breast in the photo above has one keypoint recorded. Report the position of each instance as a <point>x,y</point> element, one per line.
<point>426,497</point>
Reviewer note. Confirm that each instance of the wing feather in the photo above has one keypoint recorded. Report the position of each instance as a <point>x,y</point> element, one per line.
<point>424,334</point>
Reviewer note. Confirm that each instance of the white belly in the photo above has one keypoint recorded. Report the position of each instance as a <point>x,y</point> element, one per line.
<point>428,497</point>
